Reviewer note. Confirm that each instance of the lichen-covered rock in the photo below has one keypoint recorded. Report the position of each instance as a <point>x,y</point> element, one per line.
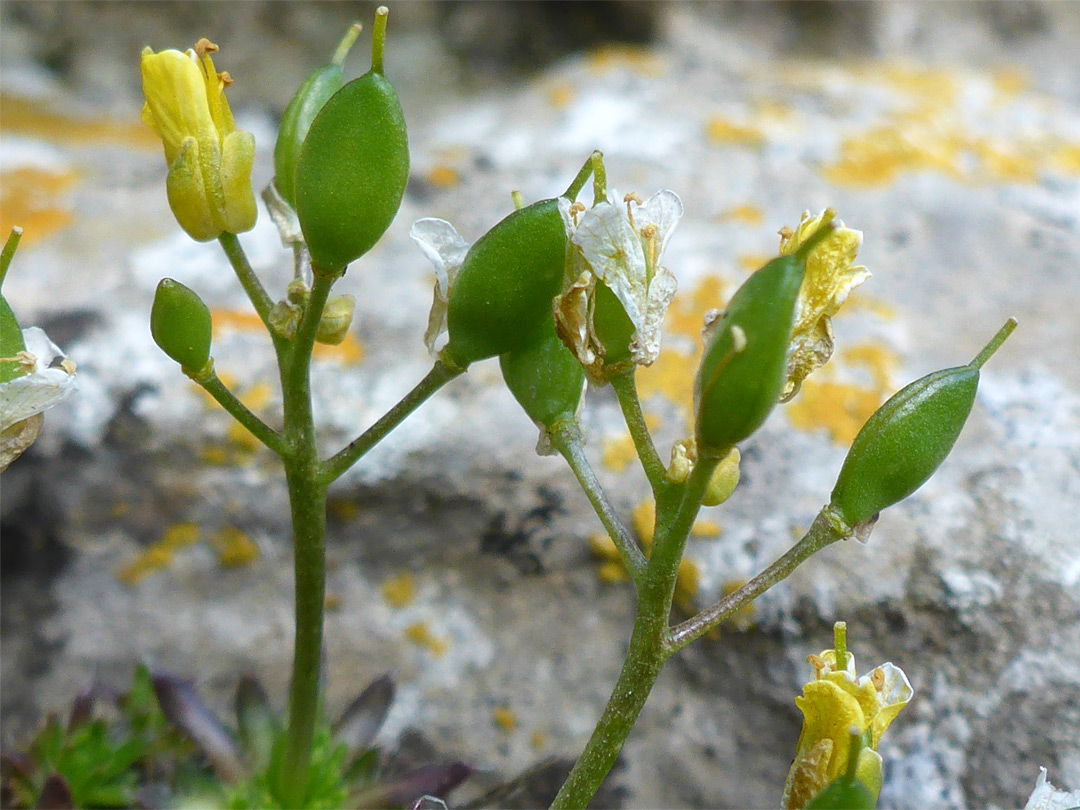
<point>460,560</point>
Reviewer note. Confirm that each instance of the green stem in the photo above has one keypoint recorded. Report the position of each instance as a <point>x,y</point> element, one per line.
<point>566,438</point>
<point>599,178</point>
<point>378,39</point>
<point>307,502</point>
<point>341,461</point>
<point>248,280</point>
<point>994,344</point>
<point>213,385</point>
<point>826,529</point>
<point>342,50</point>
<point>647,652</point>
<point>583,176</point>
<point>8,253</point>
<point>644,660</point>
<point>625,387</point>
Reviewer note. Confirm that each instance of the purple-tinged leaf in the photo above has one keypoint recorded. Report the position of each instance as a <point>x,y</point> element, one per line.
<point>429,780</point>
<point>82,707</point>
<point>361,721</point>
<point>183,708</point>
<point>55,795</point>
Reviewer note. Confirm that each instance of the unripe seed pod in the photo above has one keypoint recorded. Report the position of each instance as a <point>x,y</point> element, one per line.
<point>745,363</point>
<point>504,288</point>
<point>544,377</point>
<point>180,324</point>
<point>614,329</point>
<point>844,793</point>
<point>298,116</point>
<point>907,438</point>
<point>353,168</point>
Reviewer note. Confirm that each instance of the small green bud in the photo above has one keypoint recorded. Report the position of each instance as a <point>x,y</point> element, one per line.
<point>724,479</point>
<point>745,363</point>
<point>336,319</point>
<point>504,288</point>
<point>180,324</point>
<point>907,438</point>
<point>353,166</point>
<point>284,319</point>
<point>301,112</point>
<point>545,377</point>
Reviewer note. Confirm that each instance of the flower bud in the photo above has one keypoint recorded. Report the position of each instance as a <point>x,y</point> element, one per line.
<point>336,319</point>
<point>300,113</point>
<point>209,179</point>
<point>907,438</point>
<point>180,324</point>
<point>724,479</point>
<point>544,377</point>
<point>745,363</point>
<point>353,167</point>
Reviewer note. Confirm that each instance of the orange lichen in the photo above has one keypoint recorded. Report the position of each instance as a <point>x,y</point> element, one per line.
<point>1008,84</point>
<point>538,739</point>
<point>234,320</point>
<point>420,634</point>
<point>644,520</point>
<point>634,58</point>
<point>443,177</point>
<point>342,509</point>
<point>234,548</point>
<point>619,453</point>
<point>399,591</point>
<point>706,528</point>
<point>747,214</point>
<point>1066,158</point>
<point>879,362</point>
<point>687,582</point>
<point>561,95</point>
<point>332,601</point>
<point>350,352</point>
<point>505,719</point>
<point>751,262</point>
<point>687,312</point>
<point>33,199</point>
<point>840,408</point>
<point>160,555</point>
<point>39,119</point>
<point>722,132</point>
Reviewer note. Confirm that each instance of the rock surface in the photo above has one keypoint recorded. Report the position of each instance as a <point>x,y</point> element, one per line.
<point>458,558</point>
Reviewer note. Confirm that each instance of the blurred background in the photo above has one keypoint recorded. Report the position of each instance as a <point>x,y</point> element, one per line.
<point>948,132</point>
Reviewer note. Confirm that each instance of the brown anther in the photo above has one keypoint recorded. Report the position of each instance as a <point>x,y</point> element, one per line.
<point>224,79</point>
<point>816,661</point>
<point>205,46</point>
<point>649,231</point>
<point>877,678</point>
<point>26,360</point>
<point>68,366</point>
<point>576,209</point>
<point>632,197</point>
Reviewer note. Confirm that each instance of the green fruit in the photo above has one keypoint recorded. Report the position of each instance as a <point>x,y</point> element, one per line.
<point>296,122</point>
<point>11,343</point>
<point>907,438</point>
<point>180,324</point>
<point>505,286</point>
<point>352,171</point>
<point>614,329</point>
<point>745,362</point>
<point>544,377</point>
<point>844,793</point>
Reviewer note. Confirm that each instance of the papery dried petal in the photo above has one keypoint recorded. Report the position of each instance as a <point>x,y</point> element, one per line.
<point>446,250</point>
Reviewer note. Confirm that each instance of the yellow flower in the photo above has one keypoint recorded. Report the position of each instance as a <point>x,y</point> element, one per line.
<point>829,278</point>
<point>209,180</point>
<point>833,704</point>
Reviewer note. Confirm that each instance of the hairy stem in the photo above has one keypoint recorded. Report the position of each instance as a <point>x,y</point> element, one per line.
<point>341,461</point>
<point>566,437</point>
<point>826,529</point>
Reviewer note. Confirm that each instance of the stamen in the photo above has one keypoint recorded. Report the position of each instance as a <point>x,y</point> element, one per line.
<point>205,46</point>
<point>877,678</point>
<point>816,661</point>
<point>224,79</point>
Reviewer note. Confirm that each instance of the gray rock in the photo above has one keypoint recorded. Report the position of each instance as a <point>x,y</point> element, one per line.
<point>962,179</point>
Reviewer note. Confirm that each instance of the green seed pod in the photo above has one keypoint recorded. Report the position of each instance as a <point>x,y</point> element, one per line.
<point>180,324</point>
<point>614,329</point>
<point>907,438</point>
<point>298,116</point>
<point>353,167</point>
<point>745,364</point>
<point>844,793</point>
<point>505,285</point>
<point>544,377</point>
<point>11,343</point>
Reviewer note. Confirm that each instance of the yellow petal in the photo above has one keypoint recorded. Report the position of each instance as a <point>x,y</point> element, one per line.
<point>187,194</point>
<point>829,279</point>
<point>807,779</point>
<point>176,103</point>
<point>237,157</point>
<point>829,712</point>
<point>868,769</point>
